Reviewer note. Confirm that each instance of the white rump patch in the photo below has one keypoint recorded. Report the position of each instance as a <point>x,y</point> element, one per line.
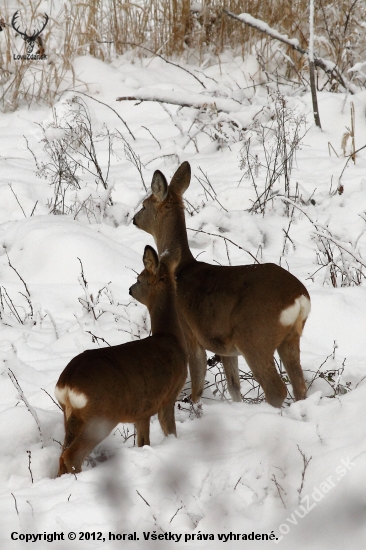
<point>77,400</point>
<point>60,394</point>
<point>305,307</point>
<point>301,306</point>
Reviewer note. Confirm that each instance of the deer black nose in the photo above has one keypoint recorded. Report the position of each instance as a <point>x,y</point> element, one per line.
<point>130,293</point>
<point>134,220</point>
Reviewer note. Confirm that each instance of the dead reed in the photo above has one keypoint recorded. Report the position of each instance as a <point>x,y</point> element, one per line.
<point>196,32</point>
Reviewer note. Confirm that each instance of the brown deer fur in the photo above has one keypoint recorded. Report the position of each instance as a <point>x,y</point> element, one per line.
<point>131,382</point>
<point>250,310</point>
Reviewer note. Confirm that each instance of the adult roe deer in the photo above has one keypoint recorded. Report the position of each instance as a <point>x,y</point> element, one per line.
<point>131,382</point>
<point>251,310</point>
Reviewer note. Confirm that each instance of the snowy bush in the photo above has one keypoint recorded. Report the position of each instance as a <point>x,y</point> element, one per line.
<point>279,131</point>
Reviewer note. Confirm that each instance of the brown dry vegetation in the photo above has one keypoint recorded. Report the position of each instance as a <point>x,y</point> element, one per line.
<point>191,32</point>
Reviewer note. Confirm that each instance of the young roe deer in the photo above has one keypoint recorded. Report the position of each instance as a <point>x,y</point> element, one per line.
<point>131,382</point>
<point>251,310</point>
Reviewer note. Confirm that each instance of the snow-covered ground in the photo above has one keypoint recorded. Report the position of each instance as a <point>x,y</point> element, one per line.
<point>297,475</point>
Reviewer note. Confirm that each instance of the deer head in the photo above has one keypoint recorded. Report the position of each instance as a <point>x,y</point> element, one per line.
<point>162,213</point>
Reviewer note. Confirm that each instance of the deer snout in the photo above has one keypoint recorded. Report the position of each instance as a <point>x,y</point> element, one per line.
<point>134,220</point>
<point>132,290</point>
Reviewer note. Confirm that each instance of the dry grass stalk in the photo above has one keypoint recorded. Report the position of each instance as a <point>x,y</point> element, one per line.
<point>196,32</point>
<point>350,134</point>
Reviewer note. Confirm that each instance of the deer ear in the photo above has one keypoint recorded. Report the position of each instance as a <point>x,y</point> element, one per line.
<point>159,185</point>
<point>181,179</point>
<point>150,259</point>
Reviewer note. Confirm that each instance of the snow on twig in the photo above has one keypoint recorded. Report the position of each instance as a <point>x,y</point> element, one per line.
<point>264,27</point>
<point>341,245</point>
<point>328,66</point>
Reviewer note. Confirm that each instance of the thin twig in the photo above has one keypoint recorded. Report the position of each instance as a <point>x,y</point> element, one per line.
<point>166,61</point>
<point>98,338</point>
<point>10,304</point>
<point>29,464</point>
<point>345,166</point>
<point>236,484</point>
<point>52,399</point>
<point>142,498</point>
<point>278,489</point>
<point>109,107</point>
<point>16,198</point>
<point>34,209</point>
<point>15,502</point>
<point>20,277</point>
<point>175,514</point>
<point>306,464</point>
<point>53,322</point>
<point>226,239</point>
<point>28,502</point>
<point>152,135</point>
<point>25,401</point>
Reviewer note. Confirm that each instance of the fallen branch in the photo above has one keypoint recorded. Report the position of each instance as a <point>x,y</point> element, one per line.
<point>186,99</point>
<point>328,67</point>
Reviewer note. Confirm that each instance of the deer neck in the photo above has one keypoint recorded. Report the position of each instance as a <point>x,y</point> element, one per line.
<point>174,230</point>
<point>164,316</point>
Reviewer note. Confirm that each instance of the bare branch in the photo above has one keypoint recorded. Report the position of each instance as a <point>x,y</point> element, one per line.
<point>186,98</point>
<point>226,239</point>
<point>25,401</point>
<point>328,67</point>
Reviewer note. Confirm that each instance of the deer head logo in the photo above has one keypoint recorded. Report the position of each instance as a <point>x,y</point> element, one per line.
<point>30,40</point>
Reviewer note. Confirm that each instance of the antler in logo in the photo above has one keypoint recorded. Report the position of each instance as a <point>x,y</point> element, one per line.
<point>30,40</point>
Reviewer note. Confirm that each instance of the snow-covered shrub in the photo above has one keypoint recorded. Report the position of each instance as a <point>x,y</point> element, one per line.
<point>74,149</point>
<point>270,146</point>
<point>340,262</point>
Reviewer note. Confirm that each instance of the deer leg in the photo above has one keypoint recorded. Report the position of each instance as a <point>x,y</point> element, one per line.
<point>232,376</point>
<point>289,352</point>
<point>143,432</point>
<point>88,437</point>
<point>197,369</point>
<point>73,426</point>
<point>167,419</point>
<point>265,372</point>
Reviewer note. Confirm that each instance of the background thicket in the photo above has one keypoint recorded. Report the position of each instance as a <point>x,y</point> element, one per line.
<point>190,32</point>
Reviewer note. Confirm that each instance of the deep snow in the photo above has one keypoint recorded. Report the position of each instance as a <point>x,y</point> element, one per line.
<point>239,467</point>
